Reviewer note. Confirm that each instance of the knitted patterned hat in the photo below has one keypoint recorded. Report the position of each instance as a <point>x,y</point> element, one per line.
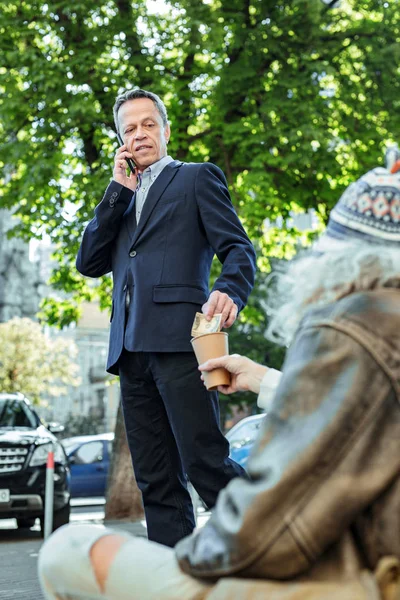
<point>369,209</point>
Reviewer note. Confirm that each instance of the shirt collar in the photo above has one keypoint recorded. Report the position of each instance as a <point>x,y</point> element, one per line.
<point>155,169</point>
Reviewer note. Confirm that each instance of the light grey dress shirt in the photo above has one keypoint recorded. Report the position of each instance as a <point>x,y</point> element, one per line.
<point>149,176</point>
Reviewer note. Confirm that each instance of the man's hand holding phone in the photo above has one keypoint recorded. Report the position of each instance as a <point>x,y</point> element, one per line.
<point>123,160</point>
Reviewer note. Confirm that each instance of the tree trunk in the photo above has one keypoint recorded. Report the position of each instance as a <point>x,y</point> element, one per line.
<point>123,498</point>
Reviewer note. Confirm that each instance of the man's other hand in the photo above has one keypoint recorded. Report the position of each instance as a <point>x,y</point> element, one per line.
<point>246,375</point>
<point>120,168</point>
<point>219,302</point>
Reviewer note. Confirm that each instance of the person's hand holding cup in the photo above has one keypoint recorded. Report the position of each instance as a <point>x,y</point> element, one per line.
<point>246,375</point>
<point>209,346</point>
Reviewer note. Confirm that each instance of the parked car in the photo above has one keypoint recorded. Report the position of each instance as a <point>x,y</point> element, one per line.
<point>24,445</point>
<point>89,458</point>
<point>241,437</point>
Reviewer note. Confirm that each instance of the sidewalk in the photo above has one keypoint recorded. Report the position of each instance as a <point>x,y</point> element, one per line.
<point>18,559</point>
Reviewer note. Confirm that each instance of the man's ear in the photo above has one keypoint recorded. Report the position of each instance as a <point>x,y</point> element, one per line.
<point>167,132</point>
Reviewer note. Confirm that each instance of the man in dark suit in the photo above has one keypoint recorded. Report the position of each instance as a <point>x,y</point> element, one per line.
<point>157,229</point>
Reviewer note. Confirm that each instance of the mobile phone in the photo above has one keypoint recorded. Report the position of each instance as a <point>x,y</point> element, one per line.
<point>130,162</point>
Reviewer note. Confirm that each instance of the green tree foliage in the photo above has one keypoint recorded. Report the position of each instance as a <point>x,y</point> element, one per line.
<point>34,364</point>
<point>291,99</point>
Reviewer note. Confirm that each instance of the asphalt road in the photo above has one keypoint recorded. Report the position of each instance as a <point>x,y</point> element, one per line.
<point>19,550</point>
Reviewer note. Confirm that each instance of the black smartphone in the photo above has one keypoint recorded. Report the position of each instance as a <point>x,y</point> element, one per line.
<point>130,162</point>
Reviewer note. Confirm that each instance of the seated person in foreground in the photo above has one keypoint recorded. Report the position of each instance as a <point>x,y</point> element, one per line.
<point>320,515</point>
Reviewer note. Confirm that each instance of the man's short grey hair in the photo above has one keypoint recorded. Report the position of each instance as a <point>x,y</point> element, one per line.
<point>138,93</point>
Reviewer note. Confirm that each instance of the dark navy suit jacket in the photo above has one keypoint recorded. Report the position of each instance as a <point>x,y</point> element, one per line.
<point>164,261</point>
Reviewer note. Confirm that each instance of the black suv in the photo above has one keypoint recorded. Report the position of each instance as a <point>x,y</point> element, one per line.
<point>24,445</point>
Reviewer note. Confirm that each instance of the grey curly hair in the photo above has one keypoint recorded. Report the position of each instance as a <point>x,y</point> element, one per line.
<point>318,278</point>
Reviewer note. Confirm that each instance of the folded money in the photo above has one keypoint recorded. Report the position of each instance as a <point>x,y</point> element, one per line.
<point>201,325</point>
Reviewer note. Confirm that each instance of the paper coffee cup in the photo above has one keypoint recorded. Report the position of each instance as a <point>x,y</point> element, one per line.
<point>212,345</point>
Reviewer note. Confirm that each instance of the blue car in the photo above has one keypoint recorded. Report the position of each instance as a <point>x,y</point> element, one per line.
<point>241,437</point>
<point>89,459</point>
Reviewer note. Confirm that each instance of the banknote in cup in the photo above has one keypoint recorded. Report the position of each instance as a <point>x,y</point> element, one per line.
<point>201,325</point>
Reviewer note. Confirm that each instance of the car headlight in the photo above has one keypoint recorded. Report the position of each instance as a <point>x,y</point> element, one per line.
<point>39,456</point>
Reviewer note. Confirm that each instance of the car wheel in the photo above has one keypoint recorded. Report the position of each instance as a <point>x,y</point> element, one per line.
<point>60,518</point>
<point>25,523</point>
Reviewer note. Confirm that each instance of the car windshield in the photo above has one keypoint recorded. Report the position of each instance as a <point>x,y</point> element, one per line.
<point>15,413</point>
<point>245,432</point>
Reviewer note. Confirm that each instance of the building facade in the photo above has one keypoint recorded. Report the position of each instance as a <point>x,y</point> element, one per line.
<point>23,283</point>
<point>96,398</point>
<point>20,284</point>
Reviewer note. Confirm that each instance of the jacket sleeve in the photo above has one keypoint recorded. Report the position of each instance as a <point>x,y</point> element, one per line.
<point>95,253</point>
<point>225,234</point>
<point>268,387</point>
<point>318,462</point>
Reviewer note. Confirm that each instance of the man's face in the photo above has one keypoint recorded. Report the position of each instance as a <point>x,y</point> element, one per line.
<point>143,132</point>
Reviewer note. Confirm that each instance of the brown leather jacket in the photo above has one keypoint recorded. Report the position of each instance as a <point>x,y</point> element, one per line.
<point>324,498</point>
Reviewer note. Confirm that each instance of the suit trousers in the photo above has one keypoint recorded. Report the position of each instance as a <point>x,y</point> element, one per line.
<point>173,432</point>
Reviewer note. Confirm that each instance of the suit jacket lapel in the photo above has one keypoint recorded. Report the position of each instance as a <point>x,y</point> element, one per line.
<point>130,217</point>
<point>155,192</point>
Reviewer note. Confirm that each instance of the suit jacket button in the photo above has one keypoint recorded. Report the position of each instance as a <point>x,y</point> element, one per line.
<point>132,253</point>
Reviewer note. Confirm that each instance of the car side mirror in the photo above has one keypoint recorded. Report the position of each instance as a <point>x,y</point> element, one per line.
<point>55,427</point>
<point>71,459</point>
